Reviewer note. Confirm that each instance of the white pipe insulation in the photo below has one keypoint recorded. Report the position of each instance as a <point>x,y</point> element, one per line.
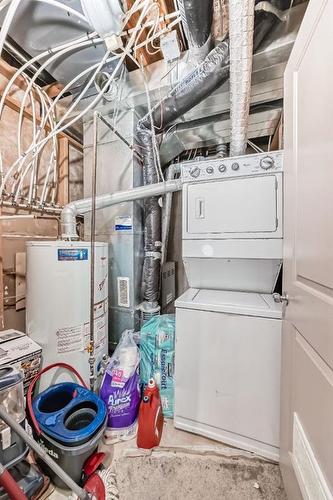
<point>80,207</point>
<point>241,26</point>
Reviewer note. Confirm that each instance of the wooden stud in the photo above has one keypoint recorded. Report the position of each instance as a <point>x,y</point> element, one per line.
<point>2,318</point>
<point>63,165</point>
<point>277,139</point>
<point>54,89</point>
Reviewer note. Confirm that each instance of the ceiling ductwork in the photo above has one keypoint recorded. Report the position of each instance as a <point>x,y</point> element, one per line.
<point>241,25</point>
<point>105,16</point>
<point>197,18</point>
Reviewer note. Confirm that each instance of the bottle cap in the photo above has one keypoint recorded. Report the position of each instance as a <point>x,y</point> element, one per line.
<point>151,383</point>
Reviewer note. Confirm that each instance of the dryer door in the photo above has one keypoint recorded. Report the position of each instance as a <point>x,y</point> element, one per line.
<point>246,207</point>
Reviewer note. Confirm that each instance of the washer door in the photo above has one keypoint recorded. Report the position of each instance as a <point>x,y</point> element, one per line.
<point>227,379</point>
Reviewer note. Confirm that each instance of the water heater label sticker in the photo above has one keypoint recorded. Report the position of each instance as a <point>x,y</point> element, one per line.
<point>123,223</point>
<point>100,331</point>
<point>73,254</point>
<point>70,339</point>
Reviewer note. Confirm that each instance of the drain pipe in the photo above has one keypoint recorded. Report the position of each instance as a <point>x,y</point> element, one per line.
<point>241,26</point>
<point>81,207</point>
<point>172,170</point>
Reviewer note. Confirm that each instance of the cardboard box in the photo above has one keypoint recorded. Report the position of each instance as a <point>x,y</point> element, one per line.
<point>19,350</point>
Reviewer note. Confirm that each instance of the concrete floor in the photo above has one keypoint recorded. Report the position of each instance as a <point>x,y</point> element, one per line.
<point>182,476</point>
<point>190,467</point>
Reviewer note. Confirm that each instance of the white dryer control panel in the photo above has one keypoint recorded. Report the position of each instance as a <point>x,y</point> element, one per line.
<point>210,169</point>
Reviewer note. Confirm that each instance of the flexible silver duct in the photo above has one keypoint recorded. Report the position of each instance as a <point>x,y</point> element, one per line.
<point>197,18</point>
<point>195,87</point>
<point>241,26</point>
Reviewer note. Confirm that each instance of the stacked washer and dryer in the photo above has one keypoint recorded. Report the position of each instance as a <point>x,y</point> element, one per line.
<point>229,323</point>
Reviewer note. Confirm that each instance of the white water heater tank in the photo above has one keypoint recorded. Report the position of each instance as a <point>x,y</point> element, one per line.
<point>58,305</point>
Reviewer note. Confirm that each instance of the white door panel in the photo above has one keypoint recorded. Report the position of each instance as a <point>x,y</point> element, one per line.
<point>308,247</point>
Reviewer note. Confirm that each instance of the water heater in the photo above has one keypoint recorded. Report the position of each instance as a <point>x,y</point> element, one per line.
<point>58,304</point>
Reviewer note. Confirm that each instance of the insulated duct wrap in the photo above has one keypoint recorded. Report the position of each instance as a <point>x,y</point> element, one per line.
<point>241,25</point>
<point>195,87</point>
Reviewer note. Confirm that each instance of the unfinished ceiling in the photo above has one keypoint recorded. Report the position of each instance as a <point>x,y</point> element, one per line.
<point>38,26</point>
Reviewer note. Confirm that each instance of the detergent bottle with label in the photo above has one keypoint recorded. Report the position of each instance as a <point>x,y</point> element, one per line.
<point>120,390</point>
<point>150,422</point>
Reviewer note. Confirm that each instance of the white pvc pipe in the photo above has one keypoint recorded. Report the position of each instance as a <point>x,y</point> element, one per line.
<point>47,63</point>
<point>7,22</point>
<point>52,134</point>
<point>4,4</point>
<point>80,207</point>
<point>91,37</point>
<point>56,130</point>
<point>94,66</point>
<point>93,103</point>
<point>41,143</point>
<point>14,216</point>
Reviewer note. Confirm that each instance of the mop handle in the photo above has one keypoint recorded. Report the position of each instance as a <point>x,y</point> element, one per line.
<point>32,386</point>
<point>16,427</point>
<point>10,485</point>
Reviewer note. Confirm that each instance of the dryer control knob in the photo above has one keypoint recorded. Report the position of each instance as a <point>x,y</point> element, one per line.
<point>235,166</point>
<point>209,170</point>
<point>267,163</point>
<point>222,168</point>
<point>195,172</point>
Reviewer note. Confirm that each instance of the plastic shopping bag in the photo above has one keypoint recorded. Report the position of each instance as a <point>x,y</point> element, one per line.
<point>120,389</point>
<point>157,350</point>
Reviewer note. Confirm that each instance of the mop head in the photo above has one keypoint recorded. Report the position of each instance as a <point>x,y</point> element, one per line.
<point>102,485</point>
<point>110,483</point>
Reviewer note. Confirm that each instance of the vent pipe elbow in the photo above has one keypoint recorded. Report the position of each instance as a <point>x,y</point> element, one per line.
<point>68,222</point>
<point>70,211</point>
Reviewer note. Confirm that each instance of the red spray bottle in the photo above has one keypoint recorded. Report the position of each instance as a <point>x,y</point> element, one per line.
<point>150,424</point>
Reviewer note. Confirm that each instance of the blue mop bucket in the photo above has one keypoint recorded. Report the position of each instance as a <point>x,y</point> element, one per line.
<point>71,421</point>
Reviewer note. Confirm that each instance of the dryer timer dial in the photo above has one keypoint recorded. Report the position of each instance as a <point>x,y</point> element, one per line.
<point>267,163</point>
